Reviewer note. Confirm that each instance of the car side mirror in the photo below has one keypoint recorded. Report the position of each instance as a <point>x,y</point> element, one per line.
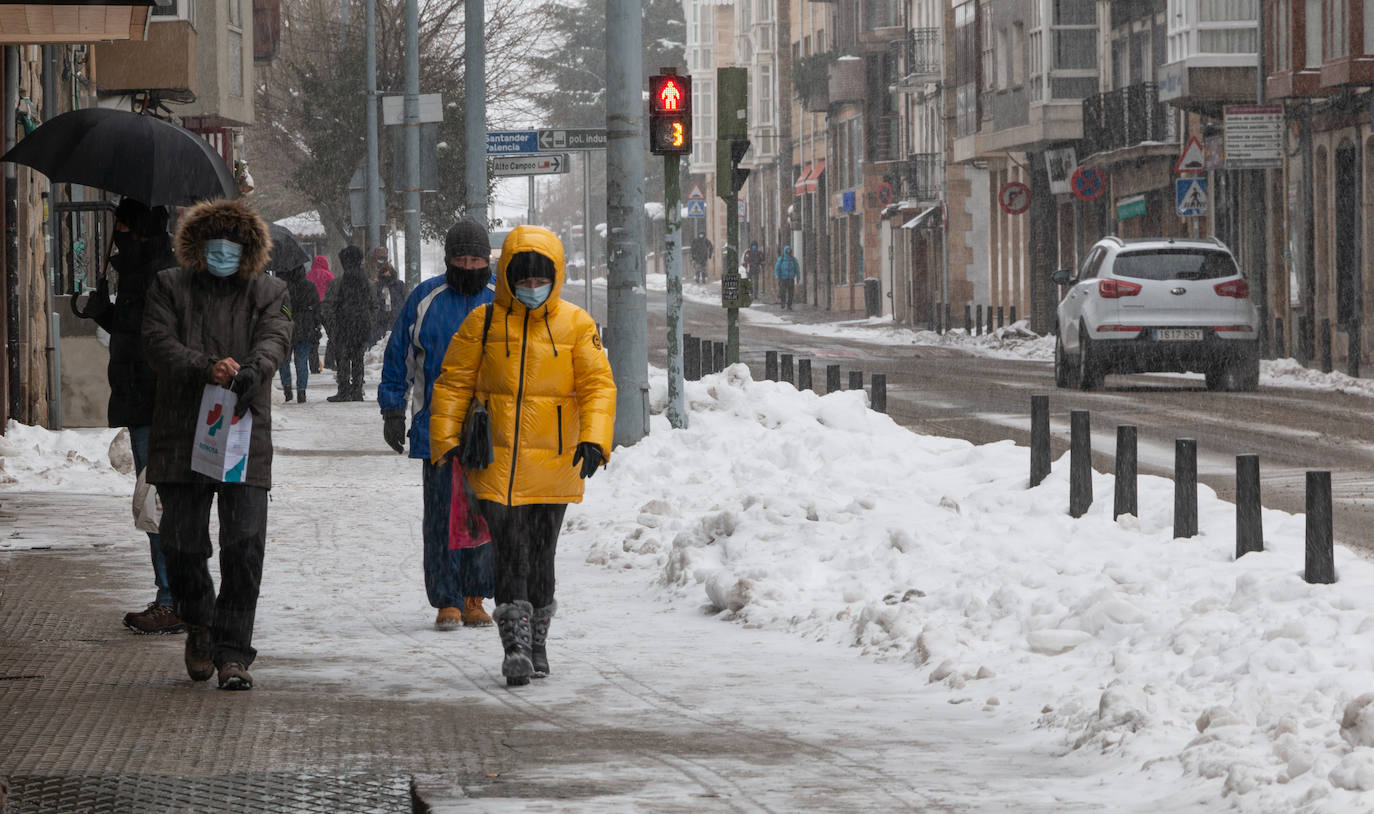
<point>1062,276</point>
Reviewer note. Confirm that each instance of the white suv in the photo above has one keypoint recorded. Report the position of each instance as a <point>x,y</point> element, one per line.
<point>1157,304</point>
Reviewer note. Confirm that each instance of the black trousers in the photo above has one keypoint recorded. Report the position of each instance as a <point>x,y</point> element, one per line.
<point>348,361</point>
<point>185,541</point>
<point>525,539</point>
<point>785,288</point>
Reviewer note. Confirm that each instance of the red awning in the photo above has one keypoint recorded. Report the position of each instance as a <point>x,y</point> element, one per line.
<point>813,180</point>
<point>799,188</point>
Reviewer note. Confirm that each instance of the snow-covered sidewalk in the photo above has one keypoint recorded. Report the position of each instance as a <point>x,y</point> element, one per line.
<point>895,619</point>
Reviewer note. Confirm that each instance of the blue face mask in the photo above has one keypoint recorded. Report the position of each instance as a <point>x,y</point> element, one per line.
<point>533,297</point>
<point>222,256</point>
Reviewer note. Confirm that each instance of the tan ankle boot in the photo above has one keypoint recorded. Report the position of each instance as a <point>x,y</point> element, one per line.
<point>473,615</point>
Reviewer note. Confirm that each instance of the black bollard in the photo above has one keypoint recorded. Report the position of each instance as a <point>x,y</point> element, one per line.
<point>948,320</point>
<point>1185,487</point>
<point>1011,314</point>
<point>691,358</point>
<point>832,378</point>
<point>1000,323</point>
<point>989,319</point>
<point>878,397</point>
<point>1080,463</point>
<point>1321,557</point>
<point>856,380</point>
<point>1040,439</point>
<point>770,365</point>
<point>1249,528</point>
<point>1124,501</point>
<point>785,369</point>
<point>718,351</point>
<point>968,319</point>
<point>978,320</point>
<point>1325,340</point>
<point>1352,354</point>
<point>803,374</point>
<point>1303,341</point>
<point>935,318</point>
<point>1280,351</point>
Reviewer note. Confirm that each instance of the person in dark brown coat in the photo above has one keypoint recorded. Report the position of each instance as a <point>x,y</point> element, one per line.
<point>217,319</point>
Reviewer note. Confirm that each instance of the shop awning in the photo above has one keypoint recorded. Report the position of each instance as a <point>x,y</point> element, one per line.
<point>799,187</point>
<point>73,21</point>
<point>813,181</point>
<point>921,220</point>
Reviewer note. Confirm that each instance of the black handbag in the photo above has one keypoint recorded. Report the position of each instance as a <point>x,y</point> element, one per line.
<point>475,449</point>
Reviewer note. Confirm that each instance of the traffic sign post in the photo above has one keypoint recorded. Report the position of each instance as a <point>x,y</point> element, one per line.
<point>530,164</point>
<point>1014,197</point>
<point>696,209</point>
<point>1088,184</point>
<point>520,142</point>
<point>1191,197</point>
<point>1192,159</point>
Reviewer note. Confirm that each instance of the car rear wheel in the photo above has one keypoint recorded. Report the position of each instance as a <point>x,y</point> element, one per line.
<point>1090,373</point>
<point>1240,374</point>
<point>1063,372</point>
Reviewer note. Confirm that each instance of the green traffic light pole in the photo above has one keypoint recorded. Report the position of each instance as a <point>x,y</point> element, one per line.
<point>731,144</point>
<point>672,244</point>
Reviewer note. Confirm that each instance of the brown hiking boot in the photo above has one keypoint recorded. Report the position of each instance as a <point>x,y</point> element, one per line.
<point>473,615</point>
<point>198,663</point>
<point>448,619</point>
<point>154,619</point>
<point>234,676</point>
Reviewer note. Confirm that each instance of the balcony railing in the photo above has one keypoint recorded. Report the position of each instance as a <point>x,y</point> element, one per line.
<point>1126,117</point>
<point>920,177</point>
<point>921,58</point>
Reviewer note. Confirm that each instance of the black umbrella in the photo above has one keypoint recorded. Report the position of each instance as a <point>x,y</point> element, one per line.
<point>144,157</point>
<point>287,252</point>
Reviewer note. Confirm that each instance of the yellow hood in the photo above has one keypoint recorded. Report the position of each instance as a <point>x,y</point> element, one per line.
<point>530,239</point>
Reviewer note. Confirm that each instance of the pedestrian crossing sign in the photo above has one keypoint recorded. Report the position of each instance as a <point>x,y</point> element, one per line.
<point>696,209</point>
<point>1191,195</point>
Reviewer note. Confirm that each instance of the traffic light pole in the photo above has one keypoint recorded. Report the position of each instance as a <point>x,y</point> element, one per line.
<point>672,244</point>
<point>731,267</point>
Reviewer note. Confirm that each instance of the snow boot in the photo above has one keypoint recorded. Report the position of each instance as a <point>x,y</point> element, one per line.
<point>339,396</point>
<point>449,618</point>
<point>198,663</point>
<point>513,623</point>
<point>286,393</point>
<point>473,614</point>
<point>539,635</point>
<point>300,395</point>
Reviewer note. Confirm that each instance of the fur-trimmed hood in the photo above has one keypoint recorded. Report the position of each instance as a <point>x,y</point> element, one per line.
<point>231,220</point>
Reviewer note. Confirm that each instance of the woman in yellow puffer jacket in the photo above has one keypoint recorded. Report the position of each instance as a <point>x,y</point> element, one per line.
<point>538,366</point>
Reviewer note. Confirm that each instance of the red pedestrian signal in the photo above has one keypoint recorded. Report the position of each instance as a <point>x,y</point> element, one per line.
<point>670,114</point>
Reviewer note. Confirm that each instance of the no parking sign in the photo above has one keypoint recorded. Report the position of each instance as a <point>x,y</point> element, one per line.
<point>1088,184</point>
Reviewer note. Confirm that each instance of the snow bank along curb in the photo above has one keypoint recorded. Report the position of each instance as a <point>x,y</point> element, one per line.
<point>788,510</point>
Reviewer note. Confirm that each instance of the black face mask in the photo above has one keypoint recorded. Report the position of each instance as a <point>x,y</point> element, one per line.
<point>466,281</point>
<point>129,247</point>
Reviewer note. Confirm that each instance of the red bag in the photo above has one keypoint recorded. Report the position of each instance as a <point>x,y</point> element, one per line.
<point>466,527</point>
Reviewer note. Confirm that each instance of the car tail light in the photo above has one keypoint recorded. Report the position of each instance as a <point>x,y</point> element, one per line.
<point>1128,329</point>
<point>1110,289</point>
<point>1240,289</point>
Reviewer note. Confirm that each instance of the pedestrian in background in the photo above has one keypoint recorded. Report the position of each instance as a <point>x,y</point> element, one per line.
<point>390,291</point>
<point>350,313</point>
<point>456,580</point>
<point>753,261</point>
<point>144,248</point>
<point>304,301</point>
<point>217,319</point>
<point>701,255</point>
<point>538,366</point>
<point>321,276</point>
<point>786,271</point>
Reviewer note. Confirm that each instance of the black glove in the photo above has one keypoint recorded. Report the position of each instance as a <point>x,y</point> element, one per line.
<point>590,456</point>
<point>394,429</point>
<point>245,386</point>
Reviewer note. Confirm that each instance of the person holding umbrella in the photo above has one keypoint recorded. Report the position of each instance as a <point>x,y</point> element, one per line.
<point>350,312</point>
<point>143,249</point>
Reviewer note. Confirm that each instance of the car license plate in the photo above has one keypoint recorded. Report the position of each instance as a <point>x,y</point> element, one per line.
<point>1178,334</point>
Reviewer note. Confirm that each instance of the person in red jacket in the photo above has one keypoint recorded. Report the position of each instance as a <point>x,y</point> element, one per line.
<point>321,276</point>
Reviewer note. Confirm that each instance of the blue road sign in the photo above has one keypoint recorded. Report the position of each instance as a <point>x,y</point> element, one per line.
<point>696,209</point>
<point>1191,195</point>
<point>512,142</point>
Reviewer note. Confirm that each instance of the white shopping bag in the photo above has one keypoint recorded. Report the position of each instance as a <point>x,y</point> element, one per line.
<point>220,450</point>
<point>147,504</point>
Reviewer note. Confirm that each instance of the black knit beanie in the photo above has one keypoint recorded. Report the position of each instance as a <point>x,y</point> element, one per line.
<point>467,238</point>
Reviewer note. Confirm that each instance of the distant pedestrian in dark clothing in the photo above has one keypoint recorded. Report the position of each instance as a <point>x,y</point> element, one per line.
<point>305,315</point>
<point>701,255</point>
<point>786,271</point>
<point>218,319</point>
<point>753,261</point>
<point>321,276</point>
<point>391,295</point>
<point>145,248</point>
<point>350,312</point>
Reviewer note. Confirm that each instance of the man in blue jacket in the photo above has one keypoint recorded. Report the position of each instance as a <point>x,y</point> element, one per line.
<point>455,580</point>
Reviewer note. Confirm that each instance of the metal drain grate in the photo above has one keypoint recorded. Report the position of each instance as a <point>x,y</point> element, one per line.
<point>261,793</point>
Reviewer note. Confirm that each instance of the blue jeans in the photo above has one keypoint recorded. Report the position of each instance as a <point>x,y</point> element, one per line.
<point>138,441</point>
<point>450,575</point>
<point>300,354</point>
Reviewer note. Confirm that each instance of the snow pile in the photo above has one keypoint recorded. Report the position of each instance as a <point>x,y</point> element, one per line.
<point>87,460</point>
<point>788,510</point>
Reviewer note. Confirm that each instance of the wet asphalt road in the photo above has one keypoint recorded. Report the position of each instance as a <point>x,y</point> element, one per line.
<point>946,392</point>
